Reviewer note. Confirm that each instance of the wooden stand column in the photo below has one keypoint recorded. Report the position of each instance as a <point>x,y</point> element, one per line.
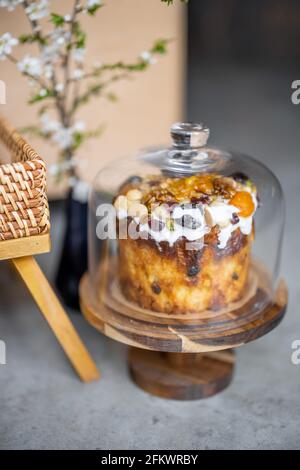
<point>181,376</point>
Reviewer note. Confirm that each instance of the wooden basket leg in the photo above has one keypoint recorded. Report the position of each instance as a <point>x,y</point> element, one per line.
<point>56,317</point>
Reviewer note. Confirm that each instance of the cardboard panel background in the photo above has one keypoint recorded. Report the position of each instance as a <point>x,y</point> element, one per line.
<point>148,103</point>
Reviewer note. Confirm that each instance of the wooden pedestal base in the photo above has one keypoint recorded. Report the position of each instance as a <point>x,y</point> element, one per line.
<point>181,376</point>
<point>188,356</point>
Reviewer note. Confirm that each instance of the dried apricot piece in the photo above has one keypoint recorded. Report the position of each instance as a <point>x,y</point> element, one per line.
<point>244,202</point>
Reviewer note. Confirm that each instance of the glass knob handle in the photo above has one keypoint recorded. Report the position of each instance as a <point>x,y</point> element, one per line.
<point>189,135</point>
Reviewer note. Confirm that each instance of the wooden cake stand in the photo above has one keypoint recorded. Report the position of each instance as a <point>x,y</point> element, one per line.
<point>188,356</point>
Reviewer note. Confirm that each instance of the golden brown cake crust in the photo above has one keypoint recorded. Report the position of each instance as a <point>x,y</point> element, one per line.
<point>174,280</point>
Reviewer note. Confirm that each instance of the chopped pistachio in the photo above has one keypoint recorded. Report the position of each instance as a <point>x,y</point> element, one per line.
<point>170,225</point>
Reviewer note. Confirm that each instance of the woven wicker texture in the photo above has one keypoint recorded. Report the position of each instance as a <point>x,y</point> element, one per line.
<point>24,207</point>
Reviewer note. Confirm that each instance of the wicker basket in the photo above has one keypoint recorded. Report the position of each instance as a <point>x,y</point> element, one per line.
<point>24,207</point>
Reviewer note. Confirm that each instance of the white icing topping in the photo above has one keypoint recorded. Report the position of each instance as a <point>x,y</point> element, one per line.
<point>223,215</point>
<point>171,236</point>
<point>196,213</point>
<point>220,213</point>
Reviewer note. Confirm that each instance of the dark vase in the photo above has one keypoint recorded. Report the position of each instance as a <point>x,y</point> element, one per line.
<point>73,262</point>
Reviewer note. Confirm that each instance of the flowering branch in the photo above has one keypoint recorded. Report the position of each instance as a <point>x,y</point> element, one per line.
<point>58,77</point>
<point>170,2</point>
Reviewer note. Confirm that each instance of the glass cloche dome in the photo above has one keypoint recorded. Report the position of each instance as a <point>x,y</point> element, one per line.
<point>185,230</point>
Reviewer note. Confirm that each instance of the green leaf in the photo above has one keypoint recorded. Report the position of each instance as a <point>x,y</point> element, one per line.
<point>43,109</point>
<point>170,225</point>
<point>92,10</point>
<point>38,98</point>
<point>33,130</point>
<point>160,46</point>
<point>78,140</point>
<point>31,38</point>
<point>170,2</point>
<point>57,20</point>
<point>81,137</point>
<point>142,65</point>
<point>95,132</point>
<point>93,90</point>
<point>80,36</point>
<point>80,43</point>
<point>112,97</point>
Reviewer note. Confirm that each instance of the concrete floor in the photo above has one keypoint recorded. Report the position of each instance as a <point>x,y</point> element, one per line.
<point>43,404</point>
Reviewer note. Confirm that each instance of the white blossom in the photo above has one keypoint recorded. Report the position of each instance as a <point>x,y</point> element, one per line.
<point>48,71</point>
<point>93,3</point>
<point>81,191</point>
<point>67,18</point>
<point>50,53</point>
<point>30,65</point>
<point>79,126</point>
<point>59,87</point>
<point>79,162</point>
<point>72,181</point>
<point>43,92</point>
<point>49,126</point>
<point>64,138</point>
<point>60,36</point>
<point>37,10</point>
<point>71,162</point>
<point>10,4</point>
<point>7,42</point>
<point>60,167</point>
<point>56,39</point>
<point>146,56</point>
<point>54,169</point>
<point>78,54</point>
<point>60,40</point>
<point>77,74</point>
